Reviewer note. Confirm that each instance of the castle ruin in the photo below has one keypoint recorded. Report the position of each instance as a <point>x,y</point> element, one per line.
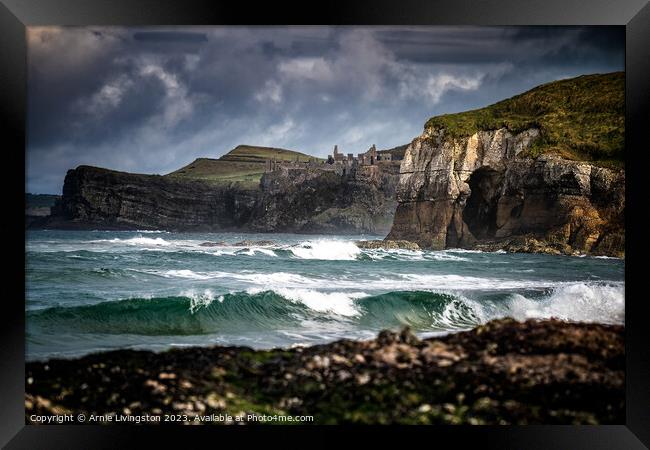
<point>337,161</point>
<point>369,158</point>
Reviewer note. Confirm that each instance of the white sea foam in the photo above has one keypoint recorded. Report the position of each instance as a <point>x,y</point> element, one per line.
<point>412,255</point>
<point>276,280</point>
<point>152,231</point>
<point>455,317</point>
<point>385,283</point>
<point>219,252</point>
<point>400,254</point>
<point>270,280</point>
<point>444,256</point>
<point>318,249</point>
<point>181,273</point>
<point>575,302</point>
<point>462,282</point>
<point>199,299</point>
<point>139,240</point>
<point>327,250</point>
<point>341,303</point>
<point>465,250</point>
<point>184,273</point>
<point>581,302</point>
<point>253,250</point>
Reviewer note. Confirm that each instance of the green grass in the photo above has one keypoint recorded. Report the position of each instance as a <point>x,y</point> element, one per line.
<point>251,153</point>
<point>244,165</point>
<point>581,118</point>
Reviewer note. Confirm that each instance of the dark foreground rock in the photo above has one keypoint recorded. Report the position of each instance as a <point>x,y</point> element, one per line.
<point>504,372</point>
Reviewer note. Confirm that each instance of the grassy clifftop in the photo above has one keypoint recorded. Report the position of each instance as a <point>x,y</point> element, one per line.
<point>581,118</point>
<point>244,165</point>
<point>252,153</point>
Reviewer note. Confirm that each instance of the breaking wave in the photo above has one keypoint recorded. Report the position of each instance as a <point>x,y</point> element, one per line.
<point>198,312</point>
<point>326,250</point>
<point>136,241</point>
<point>581,302</point>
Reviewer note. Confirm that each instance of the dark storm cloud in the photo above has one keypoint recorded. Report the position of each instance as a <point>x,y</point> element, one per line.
<point>169,36</point>
<point>537,45</point>
<point>150,100</point>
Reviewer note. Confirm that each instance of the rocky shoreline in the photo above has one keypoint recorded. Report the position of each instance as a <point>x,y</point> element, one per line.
<point>503,372</point>
<point>536,244</point>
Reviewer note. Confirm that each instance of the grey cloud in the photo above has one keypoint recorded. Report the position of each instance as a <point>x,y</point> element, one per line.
<point>170,36</point>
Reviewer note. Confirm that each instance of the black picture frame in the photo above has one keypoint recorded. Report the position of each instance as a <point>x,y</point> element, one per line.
<point>16,15</point>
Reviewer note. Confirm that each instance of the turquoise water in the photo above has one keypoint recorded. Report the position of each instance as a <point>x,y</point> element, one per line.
<point>91,291</point>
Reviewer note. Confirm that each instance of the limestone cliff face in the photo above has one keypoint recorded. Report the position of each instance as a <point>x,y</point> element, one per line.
<point>101,198</point>
<point>479,190</point>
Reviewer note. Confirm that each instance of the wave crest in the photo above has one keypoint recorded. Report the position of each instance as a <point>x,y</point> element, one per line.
<point>197,312</point>
<point>579,302</point>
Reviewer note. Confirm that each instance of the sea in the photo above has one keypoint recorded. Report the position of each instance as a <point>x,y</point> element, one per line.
<point>92,291</point>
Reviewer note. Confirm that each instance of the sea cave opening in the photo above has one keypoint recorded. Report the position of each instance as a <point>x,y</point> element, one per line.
<point>480,212</point>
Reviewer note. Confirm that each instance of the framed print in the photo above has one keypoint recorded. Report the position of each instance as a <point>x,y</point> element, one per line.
<point>365,216</point>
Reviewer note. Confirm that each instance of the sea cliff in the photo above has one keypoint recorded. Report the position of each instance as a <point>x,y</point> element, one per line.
<point>306,199</point>
<point>105,199</point>
<point>506,178</point>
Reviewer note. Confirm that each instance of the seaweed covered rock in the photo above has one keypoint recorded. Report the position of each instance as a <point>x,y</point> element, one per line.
<point>503,372</point>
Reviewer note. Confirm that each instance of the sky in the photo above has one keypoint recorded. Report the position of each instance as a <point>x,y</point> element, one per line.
<point>150,100</point>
